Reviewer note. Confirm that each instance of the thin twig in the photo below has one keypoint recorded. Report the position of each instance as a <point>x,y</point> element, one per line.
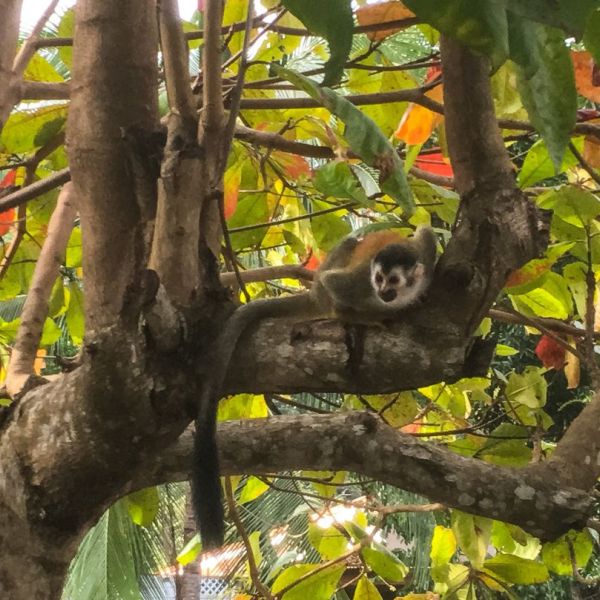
<point>237,521</point>
<point>584,163</point>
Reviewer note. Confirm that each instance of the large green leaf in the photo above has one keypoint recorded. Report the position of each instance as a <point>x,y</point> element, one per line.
<point>331,20</point>
<point>557,555</point>
<point>328,542</point>
<point>363,136</point>
<point>514,569</point>
<point>384,563</point>
<point>479,24</point>
<point>548,91</point>
<point>538,165</point>
<point>366,590</point>
<point>103,568</point>
<point>251,209</point>
<point>473,535</point>
<point>570,15</point>
<point>529,388</point>
<point>319,586</point>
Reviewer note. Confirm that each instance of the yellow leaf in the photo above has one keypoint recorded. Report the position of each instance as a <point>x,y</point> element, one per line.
<point>572,368</point>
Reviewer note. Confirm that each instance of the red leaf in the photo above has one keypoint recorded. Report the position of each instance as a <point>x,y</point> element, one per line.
<point>434,163</point>
<point>550,353</point>
<point>7,219</point>
<point>9,179</point>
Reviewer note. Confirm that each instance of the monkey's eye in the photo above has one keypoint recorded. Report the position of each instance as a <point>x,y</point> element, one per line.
<point>378,278</point>
<point>394,280</point>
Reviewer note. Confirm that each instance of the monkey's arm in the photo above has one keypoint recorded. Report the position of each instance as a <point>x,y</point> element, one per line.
<point>426,243</point>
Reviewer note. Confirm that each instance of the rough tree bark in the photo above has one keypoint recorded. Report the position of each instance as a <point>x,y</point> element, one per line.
<point>70,448</point>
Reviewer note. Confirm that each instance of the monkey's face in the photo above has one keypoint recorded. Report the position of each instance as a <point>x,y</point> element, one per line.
<point>392,285</point>
<point>397,274</point>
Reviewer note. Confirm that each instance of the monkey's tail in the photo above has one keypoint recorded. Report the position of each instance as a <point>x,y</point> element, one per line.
<point>205,477</point>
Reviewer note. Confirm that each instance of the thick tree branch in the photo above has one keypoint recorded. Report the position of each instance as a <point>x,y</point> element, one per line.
<point>35,310</point>
<point>114,103</point>
<point>175,244</point>
<point>362,443</point>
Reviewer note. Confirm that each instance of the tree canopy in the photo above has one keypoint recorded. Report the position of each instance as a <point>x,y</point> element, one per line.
<point>155,173</point>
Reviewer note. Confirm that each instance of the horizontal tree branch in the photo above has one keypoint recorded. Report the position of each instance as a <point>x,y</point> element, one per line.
<point>361,442</point>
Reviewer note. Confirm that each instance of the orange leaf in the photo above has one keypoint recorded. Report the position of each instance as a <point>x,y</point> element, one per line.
<point>313,261</point>
<point>528,272</point>
<point>417,122</point>
<point>40,361</point>
<point>411,427</point>
<point>7,218</point>
<point>231,190</point>
<point>293,164</point>
<point>586,76</point>
<point>591,151</point>
<point>550,353</point>
<point>572,369</point>
<point>383,12</point>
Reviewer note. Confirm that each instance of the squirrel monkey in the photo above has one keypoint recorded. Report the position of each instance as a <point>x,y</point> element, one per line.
<point>361,280</point>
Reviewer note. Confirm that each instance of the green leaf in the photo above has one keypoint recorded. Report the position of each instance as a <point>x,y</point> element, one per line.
<point>366,590</point>
<point>66,28</point>
<point>319,586</point>
<point>243,406</point>
<point>254,539</point>
<point>575,206</point>
<point>363,136</point>
<point>384,563</point>
<point>479,24</point>
<point>250,210</point>
<point>565,14</point>
<point>538,166</point>
<point>39,69</point>
<point>104,567</point>
<point>328,542</point>
<point>328,229</point>
<point>253,488</point>
<point>337,179</point>
<point>529,388</point>
<point>75,314</point>
<point>510,539</point>
<point>333,21</point>
<point>575,276</point>
<point>507,452</point>
<point>331,480</point>
<point>504,350</point>
<point>74,249</point>
<point>443,546</point>
<point>552,299</point>
<point>22,128</point>
<point>515,570</point>
<point>549,94</point>
<point>190,551</point>
<point>591,35</point>
<point>556,555</point>
<point>142,506</point>
<point>472,534</point>
<point>50,333</point>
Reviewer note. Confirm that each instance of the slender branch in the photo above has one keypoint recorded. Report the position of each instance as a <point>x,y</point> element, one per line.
<point>257,22</point>
<point>29,47</point>
<point>548,323</point>
<point>239,525</point>
<point>268,273</point>
<point>416,95</point>
<point>212,90</point>
<point>584,163</point>
<point>316,213</point>
<point>175,56</point>
<point>587,581</point>
<point>35,309</point>
<point>35,189</point>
